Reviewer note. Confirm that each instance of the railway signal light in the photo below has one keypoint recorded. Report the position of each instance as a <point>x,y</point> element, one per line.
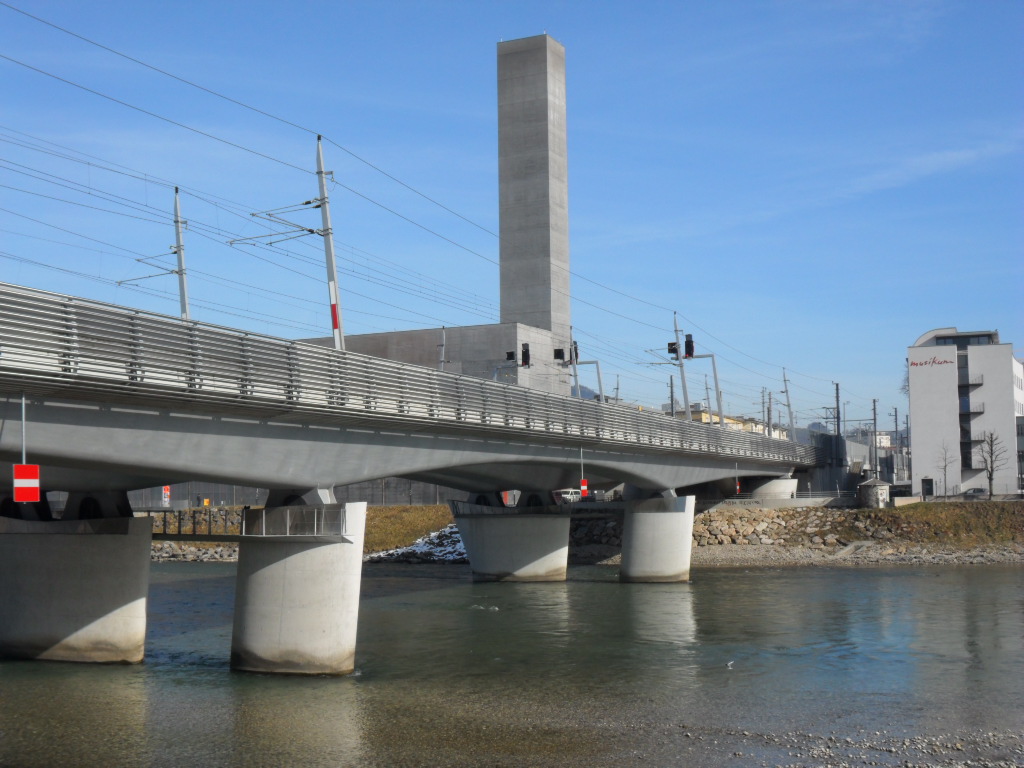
<point>688,348</point>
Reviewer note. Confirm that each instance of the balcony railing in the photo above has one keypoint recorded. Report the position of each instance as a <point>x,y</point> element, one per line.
<point>964,379</point>
<point>61,346</point>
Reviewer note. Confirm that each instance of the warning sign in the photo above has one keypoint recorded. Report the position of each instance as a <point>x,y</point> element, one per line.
<point>26,483</point>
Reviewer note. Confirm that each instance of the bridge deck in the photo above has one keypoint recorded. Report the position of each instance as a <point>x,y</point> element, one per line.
<point>63,347</point>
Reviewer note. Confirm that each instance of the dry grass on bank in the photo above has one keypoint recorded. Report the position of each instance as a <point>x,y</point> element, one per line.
<point>393,527</point>
<point>968,523</point>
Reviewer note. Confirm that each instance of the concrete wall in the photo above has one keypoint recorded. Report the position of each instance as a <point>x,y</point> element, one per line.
<point>998,394</point>
<point>934,415</point>
<point>533,184</point>
<point>74,591</point>
<point>473,350</point>
<point>935,377</point>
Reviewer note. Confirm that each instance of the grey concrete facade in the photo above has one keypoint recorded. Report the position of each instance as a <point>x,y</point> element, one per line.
<point>533,181</point>
<point>475,350</point>
<point>145,447</point>
<point>963,384</point>
<point>74,590</point>
<point>534,240</point>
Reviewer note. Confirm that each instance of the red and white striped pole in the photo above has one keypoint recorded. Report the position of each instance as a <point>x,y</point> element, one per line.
<point>583,488</point>
<point>26,476</point>
<point>328,233</point>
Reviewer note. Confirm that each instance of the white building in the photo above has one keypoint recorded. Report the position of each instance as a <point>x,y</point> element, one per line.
<point>964,385</point>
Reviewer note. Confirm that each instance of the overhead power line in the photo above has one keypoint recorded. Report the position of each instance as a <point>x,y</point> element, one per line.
<point>376,168</point>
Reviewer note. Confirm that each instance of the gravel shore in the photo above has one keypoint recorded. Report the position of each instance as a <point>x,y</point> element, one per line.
<point>854,554</point>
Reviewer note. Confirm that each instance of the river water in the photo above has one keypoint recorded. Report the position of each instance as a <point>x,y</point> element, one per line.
<point>793,667</point>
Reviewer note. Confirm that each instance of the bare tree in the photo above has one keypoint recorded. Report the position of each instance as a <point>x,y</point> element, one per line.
<point>947,458</point>
<point>905,383</point>
<point>992,455</point>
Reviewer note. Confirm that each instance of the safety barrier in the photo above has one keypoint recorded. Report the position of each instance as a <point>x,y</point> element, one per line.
<point>61,346</point>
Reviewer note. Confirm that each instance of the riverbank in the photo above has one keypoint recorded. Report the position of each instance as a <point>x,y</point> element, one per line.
<point>918,534</point>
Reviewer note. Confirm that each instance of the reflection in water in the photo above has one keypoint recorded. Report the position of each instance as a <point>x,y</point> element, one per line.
<point>587,672</point>
<point>58,713</point>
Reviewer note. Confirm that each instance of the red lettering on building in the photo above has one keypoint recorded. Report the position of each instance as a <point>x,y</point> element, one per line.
<point>933,361</point>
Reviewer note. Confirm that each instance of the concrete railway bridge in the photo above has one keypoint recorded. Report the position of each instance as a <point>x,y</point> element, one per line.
<point>116,399</point>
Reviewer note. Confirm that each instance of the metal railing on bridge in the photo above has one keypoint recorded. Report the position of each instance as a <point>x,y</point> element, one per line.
<point>61,346</point>
<point>223,524</point>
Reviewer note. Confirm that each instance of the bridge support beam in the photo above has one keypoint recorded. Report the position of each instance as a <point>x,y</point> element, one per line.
<point>74,590</point>
<point>657,536</point>
<point>297,601</point>
<point>92,505</point>
<point>281,497</point>
<point>514,546</point>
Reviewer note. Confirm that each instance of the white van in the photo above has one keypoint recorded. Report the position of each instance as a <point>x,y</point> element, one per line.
<point>567,495</point>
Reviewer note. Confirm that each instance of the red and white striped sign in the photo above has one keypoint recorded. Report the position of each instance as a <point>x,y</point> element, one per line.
<point>26,483</point>
<point>583,488</point>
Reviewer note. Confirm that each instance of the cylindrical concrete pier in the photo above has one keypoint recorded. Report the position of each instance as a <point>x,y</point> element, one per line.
<point>657,536</point>
<point>74,590</point>
<point>297,601</point>
<point>516,546</point>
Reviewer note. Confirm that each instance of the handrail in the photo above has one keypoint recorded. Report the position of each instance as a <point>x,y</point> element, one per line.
<point>57,345</point>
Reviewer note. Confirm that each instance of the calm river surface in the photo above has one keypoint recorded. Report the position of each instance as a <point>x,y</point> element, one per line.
<point>800,666</point>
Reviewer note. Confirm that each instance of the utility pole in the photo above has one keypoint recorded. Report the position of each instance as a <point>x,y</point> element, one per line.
<point>718,392</point>
<point>441,352</point>
<point>179,249</point>
<point>874,437</point>
<point>789,408</point>
<point>763,419</point>
<point>672,396</point>
<point>616,388</point>
<point>838,432</point>
<point>575,370</point>
<point>769,413</point>
<point>682,369</point>
<point>328,234</point>
<point>707,398</point>
<point>895,427</point>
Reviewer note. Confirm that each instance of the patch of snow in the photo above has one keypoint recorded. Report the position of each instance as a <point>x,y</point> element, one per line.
<point>441,546</point>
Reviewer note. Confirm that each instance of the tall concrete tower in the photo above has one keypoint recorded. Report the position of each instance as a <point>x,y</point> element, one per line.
<point>533,184</point>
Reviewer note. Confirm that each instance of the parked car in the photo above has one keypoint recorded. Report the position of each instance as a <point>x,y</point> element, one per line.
<point>975,492</point>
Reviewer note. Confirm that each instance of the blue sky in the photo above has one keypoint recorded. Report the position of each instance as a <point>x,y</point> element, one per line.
<point>810,185</point>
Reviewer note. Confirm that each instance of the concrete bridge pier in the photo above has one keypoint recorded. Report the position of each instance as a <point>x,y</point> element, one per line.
<point>513,544</point>
<point>297,601</point>
<point>74,590</point>
<point>657,537</point>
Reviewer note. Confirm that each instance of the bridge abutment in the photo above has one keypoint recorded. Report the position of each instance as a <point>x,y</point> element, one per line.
<point>74,590</point>
<point>297,601</point>
<point>657,538</point>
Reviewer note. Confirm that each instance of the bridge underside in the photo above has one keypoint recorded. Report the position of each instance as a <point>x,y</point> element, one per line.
<point>88,446</point>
